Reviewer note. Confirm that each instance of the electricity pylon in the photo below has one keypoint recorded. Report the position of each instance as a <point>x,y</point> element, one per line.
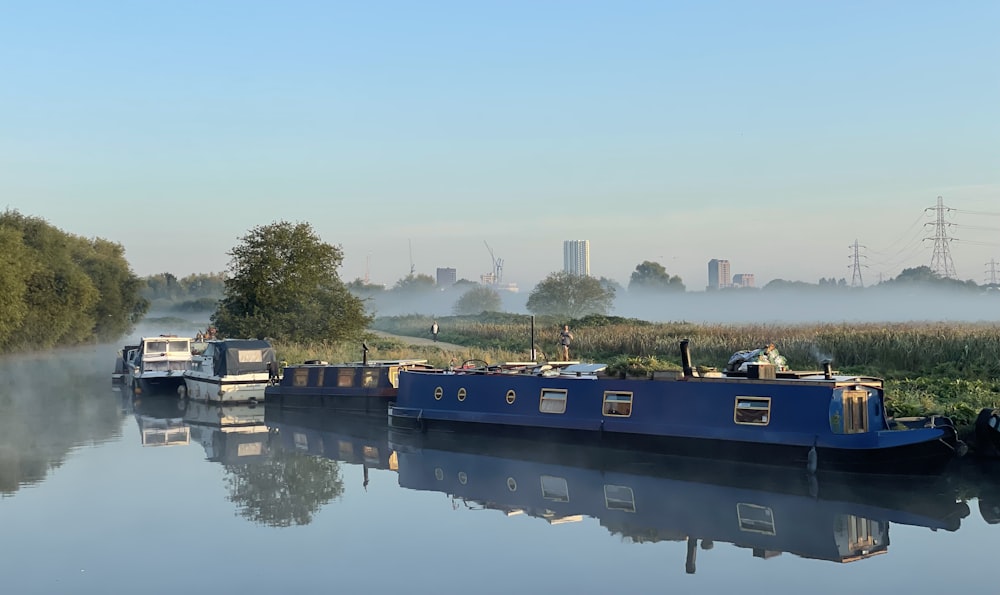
<point>941,262</point>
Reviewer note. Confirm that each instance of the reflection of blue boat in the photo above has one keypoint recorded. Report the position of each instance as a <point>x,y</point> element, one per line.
<point>814,420</point>
<point>648,498</point>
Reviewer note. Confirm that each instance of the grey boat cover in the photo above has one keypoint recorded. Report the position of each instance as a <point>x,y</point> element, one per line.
<point>241,356</point>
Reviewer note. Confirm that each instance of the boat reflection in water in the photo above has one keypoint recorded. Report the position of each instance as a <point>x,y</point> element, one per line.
<point>230,434</point>
<point>160,420</point>
<point>332,435</point>
<point>654,499</point>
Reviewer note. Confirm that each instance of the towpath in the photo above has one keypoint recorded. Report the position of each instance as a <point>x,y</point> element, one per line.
<point>420,341</point>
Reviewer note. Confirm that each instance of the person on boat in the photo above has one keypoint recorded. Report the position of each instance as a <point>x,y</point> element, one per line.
<point>564,338</point>
<point>434,330</point>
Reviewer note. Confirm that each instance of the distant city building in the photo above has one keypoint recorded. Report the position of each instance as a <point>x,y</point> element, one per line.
<point>576,257</point>
<point>743,280</point>
<point>718,274</point>
<point>446,277</point>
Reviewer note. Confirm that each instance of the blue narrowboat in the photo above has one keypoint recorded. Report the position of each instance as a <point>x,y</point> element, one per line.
<point>818,420</point>
<point>767,510</point>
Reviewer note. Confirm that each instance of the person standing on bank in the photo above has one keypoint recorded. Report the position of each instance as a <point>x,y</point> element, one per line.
<point>564,338</point>
<point>434,331</point>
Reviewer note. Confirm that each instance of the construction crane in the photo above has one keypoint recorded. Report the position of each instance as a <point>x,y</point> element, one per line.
<point>497,275</point>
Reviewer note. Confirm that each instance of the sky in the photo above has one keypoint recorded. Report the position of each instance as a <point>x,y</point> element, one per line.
<point>418,135</point>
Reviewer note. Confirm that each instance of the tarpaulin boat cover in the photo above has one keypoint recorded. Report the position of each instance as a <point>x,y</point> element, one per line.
<point>241,356</point>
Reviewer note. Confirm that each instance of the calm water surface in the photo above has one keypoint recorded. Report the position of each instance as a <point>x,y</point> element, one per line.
<point>99,494</point>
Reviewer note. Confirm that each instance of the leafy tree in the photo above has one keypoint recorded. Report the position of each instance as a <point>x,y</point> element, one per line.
<point>363,289</point>
<point>480,298</point>
<point>415,283</point>
<point>120,305</point>
<point>15,269</point>
<point>283,283</point>
<point>650,276</point>
<point>611,284</point>
<point>567,295</point>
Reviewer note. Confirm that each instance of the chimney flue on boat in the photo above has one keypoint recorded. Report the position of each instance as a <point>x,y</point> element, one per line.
<point>686,359</point>
<point>827,369</point>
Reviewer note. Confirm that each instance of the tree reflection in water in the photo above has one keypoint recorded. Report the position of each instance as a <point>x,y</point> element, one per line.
<point>286,489</point>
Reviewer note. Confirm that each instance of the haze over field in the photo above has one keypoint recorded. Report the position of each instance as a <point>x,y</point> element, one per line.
<point>771,134</point>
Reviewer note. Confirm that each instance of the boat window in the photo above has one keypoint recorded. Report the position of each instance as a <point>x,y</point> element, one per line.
<point>301,377</point>
<point>619,498</point>
<point>345,377</point>
<point>752,410</point>
<point>156,346</point>
<point>394,376</point>
<point>555,488</point>
<point>179,347</point>
<point>552,401</point>
<point>755,519</point>
<point>370,454</point>
<point>345,449</point>
<point>301,441</point>
<point>250,356</point>
<point>855,411</point>
<point>370,378</point>
<point>618,404</point>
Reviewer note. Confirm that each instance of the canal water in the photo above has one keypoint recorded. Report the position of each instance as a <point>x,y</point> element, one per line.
<point>103,494</point>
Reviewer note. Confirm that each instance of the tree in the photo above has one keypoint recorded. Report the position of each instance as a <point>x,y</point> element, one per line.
<point>567,295</point>
<point>480,298</point>
<point>650,276</point>
<point>282,283</point>
<point>415,283</point>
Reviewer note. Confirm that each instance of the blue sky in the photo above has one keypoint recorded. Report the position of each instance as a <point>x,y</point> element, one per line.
<point>772,134</point>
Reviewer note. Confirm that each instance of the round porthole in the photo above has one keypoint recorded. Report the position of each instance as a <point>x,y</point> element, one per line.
<point>511,396</point>
<point>463,478</point>
<point>512,484</point>
<point>461,394</point>
<point>438,474</point>
<point>438,392</point>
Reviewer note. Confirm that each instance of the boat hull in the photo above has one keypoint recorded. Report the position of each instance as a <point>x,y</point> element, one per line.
<point>229,389</point>
<point>803,423</point>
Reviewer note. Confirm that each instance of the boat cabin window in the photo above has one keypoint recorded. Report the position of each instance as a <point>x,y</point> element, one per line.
<point>250,356</point>
<point>754,411</point>
<point>552,401</point>
<point>855,411</point>
<point>619,498</point>
<point>156,346</point>
<point>370,378</point>
<point>755,519</point>
<point>555,488</point>
<point>301,377</point>
<point>345,377</point>
<point>618,404</point>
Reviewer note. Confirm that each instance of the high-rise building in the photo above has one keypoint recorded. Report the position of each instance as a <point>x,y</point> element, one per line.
<point>576,257</point>
<point>446,277</point>
<point>718,274</point>
<point>743,280</point>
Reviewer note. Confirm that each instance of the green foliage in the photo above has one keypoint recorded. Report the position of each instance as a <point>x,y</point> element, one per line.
<point>638,366</point>
<point>479,298</point>
<point>282,283</point>
<point>570,296</point>
<point>62,289</point>
<point>415,284</point>
<point>652,277</point>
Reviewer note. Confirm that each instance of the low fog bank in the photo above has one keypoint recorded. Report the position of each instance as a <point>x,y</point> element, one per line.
<point>789,306</point>
<point>794,307</point>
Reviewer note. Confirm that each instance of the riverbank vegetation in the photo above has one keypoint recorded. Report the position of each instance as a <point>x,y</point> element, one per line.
<point>58,289</point>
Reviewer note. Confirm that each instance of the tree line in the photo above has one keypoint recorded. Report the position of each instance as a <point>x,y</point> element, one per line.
<point>61,289</point>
